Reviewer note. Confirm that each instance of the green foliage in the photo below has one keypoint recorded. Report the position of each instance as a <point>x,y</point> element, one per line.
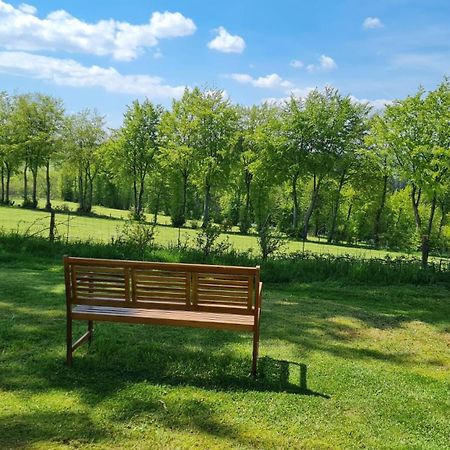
<point>84,136</point>
<point>319,166</point>
<point>207,241</point>
<point>136,238</point>
<point>269,240</point>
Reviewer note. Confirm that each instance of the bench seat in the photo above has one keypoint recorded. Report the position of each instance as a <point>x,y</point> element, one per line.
<point>173,294</point>
<point>197,319</point>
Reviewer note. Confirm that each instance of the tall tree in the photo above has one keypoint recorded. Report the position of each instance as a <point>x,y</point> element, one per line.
<point>350,126</point>
<point>256,129</point>
<point>9,151</point>
<point>416,132</point>
<point>178,156</point>
<point>216,125</point>
<point>84,136</point>
<point>138,147</point>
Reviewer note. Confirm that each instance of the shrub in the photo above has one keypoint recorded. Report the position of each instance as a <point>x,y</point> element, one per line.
<point>206,241</point>
<point>269,240</point>
<point>137,237</point>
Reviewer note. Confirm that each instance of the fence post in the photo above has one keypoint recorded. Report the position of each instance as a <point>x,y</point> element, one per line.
<point>425,250</point>
<point>51,234</point>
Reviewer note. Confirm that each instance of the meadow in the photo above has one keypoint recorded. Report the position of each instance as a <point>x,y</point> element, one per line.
<point>107,222</point>
<point>342,365</point>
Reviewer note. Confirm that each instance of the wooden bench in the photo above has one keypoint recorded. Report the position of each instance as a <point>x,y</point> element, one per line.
<point>191,295</point>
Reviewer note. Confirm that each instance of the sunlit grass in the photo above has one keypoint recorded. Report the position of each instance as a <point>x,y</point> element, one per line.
<point>342,366</point>
<point>102,229</point>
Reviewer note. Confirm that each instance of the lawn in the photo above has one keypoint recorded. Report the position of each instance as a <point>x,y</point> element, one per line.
<point>342,366</point>
<point>103,229</point>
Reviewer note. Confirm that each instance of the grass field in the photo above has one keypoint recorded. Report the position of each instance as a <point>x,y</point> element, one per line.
<point>342,366</point>
<point>103,229</point>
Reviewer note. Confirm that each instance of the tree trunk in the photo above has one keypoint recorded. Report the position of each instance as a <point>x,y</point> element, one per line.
<point>140,206</point>
<point>432,213</point>
<point>185,187</point>
<point>335,209</point>
<point>48,205</point>
<point>245,220</point>
<point>8,184</point>
<point>425,250</point>
<point>347,220</point>
<point>51,234</point>
<point>25,184</point>
<point>296,205</point>
<point>415,199</point>
<point>156,212</point>
<point>2,200</point>
<point>34,171</point>
<point>443,220</point>
<point>312,205</point>
<point>81,197</point>
<point>206,205</point>
<point>379,212</point>
<point>89,195</point>
<point>426,237</point>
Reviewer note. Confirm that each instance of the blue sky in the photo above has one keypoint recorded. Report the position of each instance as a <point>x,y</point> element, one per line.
<point>103,54</point>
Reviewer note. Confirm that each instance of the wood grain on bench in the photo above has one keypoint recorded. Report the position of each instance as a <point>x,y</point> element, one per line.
<point>193,295</point>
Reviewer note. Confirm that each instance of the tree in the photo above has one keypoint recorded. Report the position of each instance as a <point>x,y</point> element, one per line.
<point>255,130</point>
<point>84,136</point>
<point>416,133</point>
<point>216,125</point>
<point>137,148</point>
<point>375,167</point>
<point>351,125</point>
<point>178,156</point>
<point>9,152</point>
<point>293,151</point>
<point>38,120</point>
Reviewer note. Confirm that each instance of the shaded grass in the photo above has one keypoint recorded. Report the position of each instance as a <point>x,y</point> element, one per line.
<point>342,366</point>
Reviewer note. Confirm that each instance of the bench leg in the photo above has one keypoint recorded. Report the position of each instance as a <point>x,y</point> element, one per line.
<point>69,341</point>
<point>90,330</point>
<point>255,350</point>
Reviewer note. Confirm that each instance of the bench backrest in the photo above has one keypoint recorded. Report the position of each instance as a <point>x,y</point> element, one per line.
<point>136,284</point>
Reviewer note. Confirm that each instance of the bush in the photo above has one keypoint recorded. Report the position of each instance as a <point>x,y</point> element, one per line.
<point>178,220</point>
<point>206,241</point>
<point>137,237</point>
<point>269,240</point>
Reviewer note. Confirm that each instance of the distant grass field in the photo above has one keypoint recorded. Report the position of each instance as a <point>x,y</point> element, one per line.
<point>342,367</point>
<point>103,229</point>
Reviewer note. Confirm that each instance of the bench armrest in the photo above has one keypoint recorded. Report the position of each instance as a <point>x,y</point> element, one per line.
<point>260,294</point>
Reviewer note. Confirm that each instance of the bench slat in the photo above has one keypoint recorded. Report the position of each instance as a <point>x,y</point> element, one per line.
<point>170,267</point>
<point>163,317</point>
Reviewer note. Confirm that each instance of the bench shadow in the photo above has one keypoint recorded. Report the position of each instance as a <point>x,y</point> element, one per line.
<point>286,376</point>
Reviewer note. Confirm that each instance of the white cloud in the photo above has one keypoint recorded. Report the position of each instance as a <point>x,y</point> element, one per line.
<point>227,43</point>
<point>296,64</point>
<point>21,29</point>
<point>67,72</point>
<point>295,92</point>
<point>325,63</point>
<point>272,81</point>
<point>372,22</point>
<point>377,104</point>
<point>27,9</point>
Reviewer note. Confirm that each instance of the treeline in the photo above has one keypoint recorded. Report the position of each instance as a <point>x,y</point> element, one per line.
<point>323,165</point>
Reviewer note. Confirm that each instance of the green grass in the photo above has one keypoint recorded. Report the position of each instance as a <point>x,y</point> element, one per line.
<point>103,229</point>
<point>342,366</point>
